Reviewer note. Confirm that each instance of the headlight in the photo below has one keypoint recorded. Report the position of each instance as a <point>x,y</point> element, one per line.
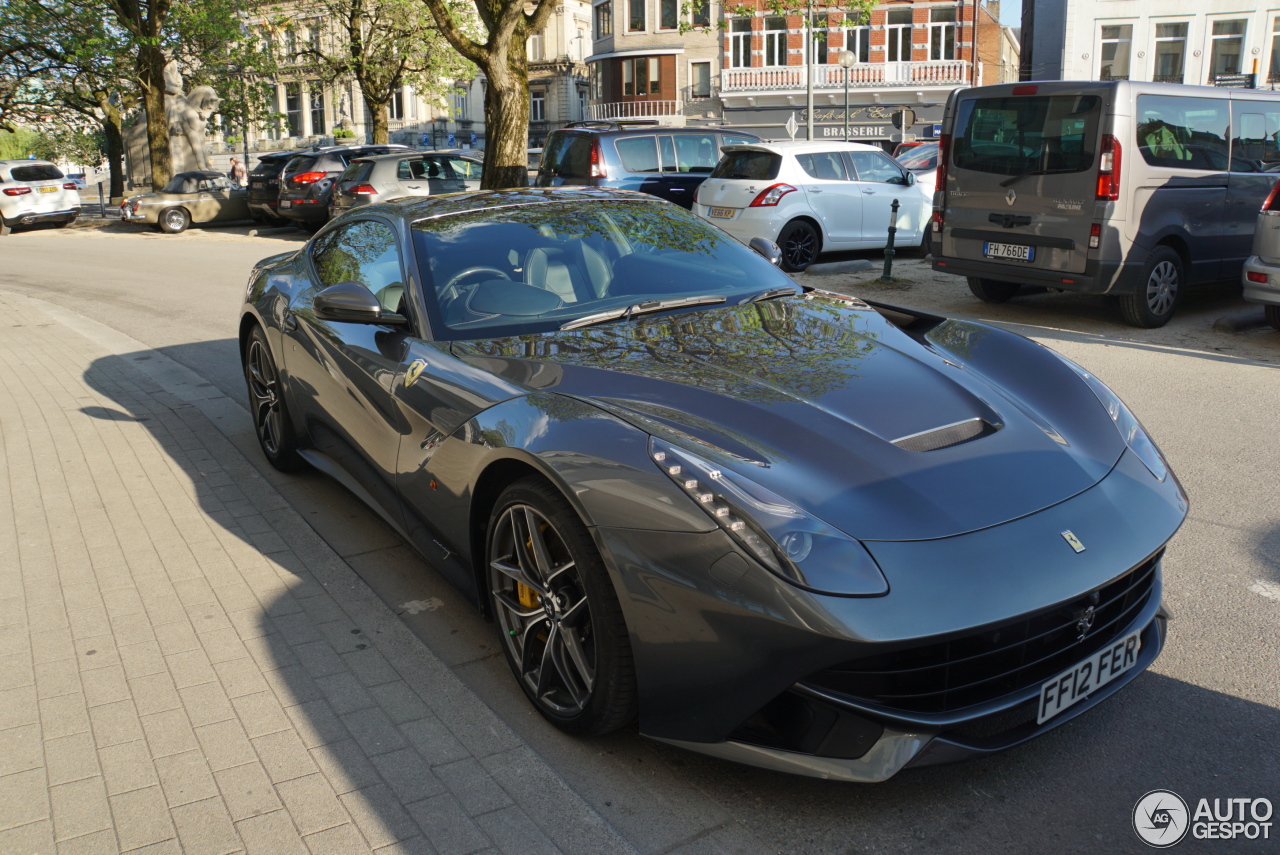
<point>1130,428</point>
<point>793,544</point>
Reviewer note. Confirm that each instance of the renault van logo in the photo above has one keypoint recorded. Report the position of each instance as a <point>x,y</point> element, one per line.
<point>1073,541</point>
<point>415,371</point>
<point>1011,196</point>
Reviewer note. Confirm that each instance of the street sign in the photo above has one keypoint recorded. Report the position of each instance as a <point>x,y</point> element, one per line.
<point>426,141</point>
<point>937,131</point>
<point>903,118</point>
<point>1236,81</point>
<point>474,139</point>
<point>792,125</point>
<point>453,140</point>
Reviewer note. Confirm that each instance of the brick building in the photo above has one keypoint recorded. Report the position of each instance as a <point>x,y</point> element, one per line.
<point>909,54</point>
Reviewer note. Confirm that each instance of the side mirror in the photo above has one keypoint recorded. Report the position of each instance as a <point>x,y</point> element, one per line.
<point>911,179</point>
<point>353,303</point>
<point>767,249</point>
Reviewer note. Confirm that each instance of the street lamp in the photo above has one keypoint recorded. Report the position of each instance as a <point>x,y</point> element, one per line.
<point>846,59</point>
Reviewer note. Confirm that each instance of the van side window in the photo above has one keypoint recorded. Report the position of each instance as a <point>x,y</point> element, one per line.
<point>639,154</point>
<point>1255,136</point>
<point>1183,133</point>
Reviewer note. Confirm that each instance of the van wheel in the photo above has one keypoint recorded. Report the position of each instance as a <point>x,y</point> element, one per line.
<point>991,291</point>
<point>173,220</point>
<point>1273,316</point>
<point>1152,304</point>
<point>800,244</point>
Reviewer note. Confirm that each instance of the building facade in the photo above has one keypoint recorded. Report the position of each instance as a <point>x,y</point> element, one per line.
<point>1204,42</point>
<point>909,54</point>
<point>559,88</point>
<point>643,66</point>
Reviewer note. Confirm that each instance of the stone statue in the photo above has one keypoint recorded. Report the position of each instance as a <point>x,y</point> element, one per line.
<point>344,109</point>
<point>187,116</point>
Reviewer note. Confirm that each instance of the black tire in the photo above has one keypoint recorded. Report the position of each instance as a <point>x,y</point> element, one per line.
<point>1273,316</point>
<point>562,629</point>
<point>62,224</point>
<point>1152,304</point>
<point>267,405</point>
<point>926,243</point>
<point>991,291</point>
<point>173,221</point>
<point>800,243</point>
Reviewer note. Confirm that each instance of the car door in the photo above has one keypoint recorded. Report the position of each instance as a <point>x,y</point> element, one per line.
<point>687,160</point>
<point>466,171</point>
<point>832,196</point>
<point>342,374</point>
<point>880,180</point>
<point>206,203</point>
<point>229,202</point>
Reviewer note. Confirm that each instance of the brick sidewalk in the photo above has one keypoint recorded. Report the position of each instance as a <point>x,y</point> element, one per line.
<point>190,668</point>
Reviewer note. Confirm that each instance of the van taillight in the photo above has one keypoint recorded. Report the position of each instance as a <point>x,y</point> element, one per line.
<point>597,161</point>
<point>1095,235</point>
<point>944,154</point>
<point>937,221</point>
<point>1109,170</point>
<point>1271,203</point>
<point>1025,90</point>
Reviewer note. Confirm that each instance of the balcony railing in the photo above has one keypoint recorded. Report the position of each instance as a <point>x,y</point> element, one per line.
<point>633,110</point>
<point>931,73</point>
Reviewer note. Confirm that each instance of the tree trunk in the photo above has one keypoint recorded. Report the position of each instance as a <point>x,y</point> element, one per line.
<point>380,134</point>
<point>506,121</point>
<point>114,138</point>
<point>151,64</point>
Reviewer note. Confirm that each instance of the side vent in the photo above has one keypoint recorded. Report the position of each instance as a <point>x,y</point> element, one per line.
<point>946,436</point>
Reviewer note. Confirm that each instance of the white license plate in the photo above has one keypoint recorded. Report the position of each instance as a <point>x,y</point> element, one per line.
<point>285,203</point>
<point>47,189</point>
<point>721,213</point>
<point>1009,251</point>
<point>1085,678</point>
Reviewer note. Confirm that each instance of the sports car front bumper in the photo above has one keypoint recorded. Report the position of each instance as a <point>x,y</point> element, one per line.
<point>716,652</point>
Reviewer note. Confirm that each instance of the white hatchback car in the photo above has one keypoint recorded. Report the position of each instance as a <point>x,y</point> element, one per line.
<point>811,197</point>
<point>35,191</point>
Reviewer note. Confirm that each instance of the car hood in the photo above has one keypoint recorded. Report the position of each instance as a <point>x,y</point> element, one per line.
<point>806,396</point>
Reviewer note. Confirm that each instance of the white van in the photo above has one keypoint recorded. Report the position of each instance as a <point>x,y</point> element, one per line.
<point>1134,190</point>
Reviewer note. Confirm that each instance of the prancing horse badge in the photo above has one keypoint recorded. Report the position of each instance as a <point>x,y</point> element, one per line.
<point>415,371</point>
<point>1073,541</point>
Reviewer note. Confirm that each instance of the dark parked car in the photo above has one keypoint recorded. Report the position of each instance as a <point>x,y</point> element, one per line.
<point>792,529</point>
<point>668,163</point>
<point>306,185</point>
<point>264,186</point>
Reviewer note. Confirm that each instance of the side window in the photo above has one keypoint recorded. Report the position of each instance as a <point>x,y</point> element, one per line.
<point>639,154</point>
<point>1183,133</point>
<point>404,170</point>
<point>465,169</point>
<point>364,252</point>
<point>876,167</point>
<point>1255,135</point>
<point>696,153</point>
<point>826,165</point>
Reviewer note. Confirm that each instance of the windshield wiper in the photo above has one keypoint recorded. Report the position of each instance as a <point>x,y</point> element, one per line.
<point>1022,175</point>
<point>771,293</point>
<point>644,307</point>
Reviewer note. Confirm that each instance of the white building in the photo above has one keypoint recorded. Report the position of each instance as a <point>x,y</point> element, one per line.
<point>1177,41</point>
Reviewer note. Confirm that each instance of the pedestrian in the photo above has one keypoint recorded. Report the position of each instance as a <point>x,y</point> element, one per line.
<point>237,172</point>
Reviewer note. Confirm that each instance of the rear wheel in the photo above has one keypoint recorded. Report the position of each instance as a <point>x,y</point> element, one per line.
<point>267,405</point>
<point>991,291</point>
<point>562,628</point>
<point>173,220</point>
<point>1273,316</point>
<point>1152,304</point>
<point>800,244</point>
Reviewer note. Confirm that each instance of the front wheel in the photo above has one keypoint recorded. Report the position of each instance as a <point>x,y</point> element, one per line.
<point>800,244</point>
<point>991,291</point>
<point>267,405</point>
<point>562,628</point>
<point>1273,316</point>
<point>1152,304</point>
<point>173,220</point>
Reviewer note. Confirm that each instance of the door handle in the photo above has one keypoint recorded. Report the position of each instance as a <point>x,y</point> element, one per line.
<point>677,189</point>
<point>813,190</point>
<point>868,192</point>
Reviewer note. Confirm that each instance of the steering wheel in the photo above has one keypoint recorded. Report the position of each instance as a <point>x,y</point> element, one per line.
<point>452,284</point>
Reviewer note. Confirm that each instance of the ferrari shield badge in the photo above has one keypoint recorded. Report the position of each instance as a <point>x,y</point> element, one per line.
<point>415,371</point>
<point>1073,541</point>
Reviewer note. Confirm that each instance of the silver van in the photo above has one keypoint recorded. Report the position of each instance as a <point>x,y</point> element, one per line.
<point>1134,190</point>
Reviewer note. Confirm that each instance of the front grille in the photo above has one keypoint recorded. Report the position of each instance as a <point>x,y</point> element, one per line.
<point>996,660</point>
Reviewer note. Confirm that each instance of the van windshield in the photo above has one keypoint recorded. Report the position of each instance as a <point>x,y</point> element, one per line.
<point>1028,135</point>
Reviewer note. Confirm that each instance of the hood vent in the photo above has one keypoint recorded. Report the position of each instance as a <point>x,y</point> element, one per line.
<point>946,436</point>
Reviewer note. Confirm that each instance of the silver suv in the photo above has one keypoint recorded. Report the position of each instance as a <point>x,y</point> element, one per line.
<point>35,191</point>
<point>390,176</point>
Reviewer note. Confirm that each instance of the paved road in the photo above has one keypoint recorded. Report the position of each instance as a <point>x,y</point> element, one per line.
<point>1203,722</point>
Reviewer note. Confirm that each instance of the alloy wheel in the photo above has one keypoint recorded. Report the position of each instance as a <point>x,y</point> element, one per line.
<point>800,247</point>
<point>1162,288</point>
<point>543,611</point>
<point>264,391</point>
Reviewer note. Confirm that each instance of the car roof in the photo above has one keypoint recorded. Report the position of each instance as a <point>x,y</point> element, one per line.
<point>640,127</point>
<point>26,161</point>
<point>801,146</point>
<point>407,155</point>
<point>414,208</point>
<point>277,155</point>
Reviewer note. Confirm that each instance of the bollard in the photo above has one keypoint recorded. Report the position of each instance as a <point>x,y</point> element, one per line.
<point>102,205</point>
<point>887,276</point>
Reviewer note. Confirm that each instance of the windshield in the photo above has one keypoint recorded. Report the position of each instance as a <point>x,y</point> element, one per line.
<point>1027,134</point>
<point>920,157</point>
<point>533,268</point>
